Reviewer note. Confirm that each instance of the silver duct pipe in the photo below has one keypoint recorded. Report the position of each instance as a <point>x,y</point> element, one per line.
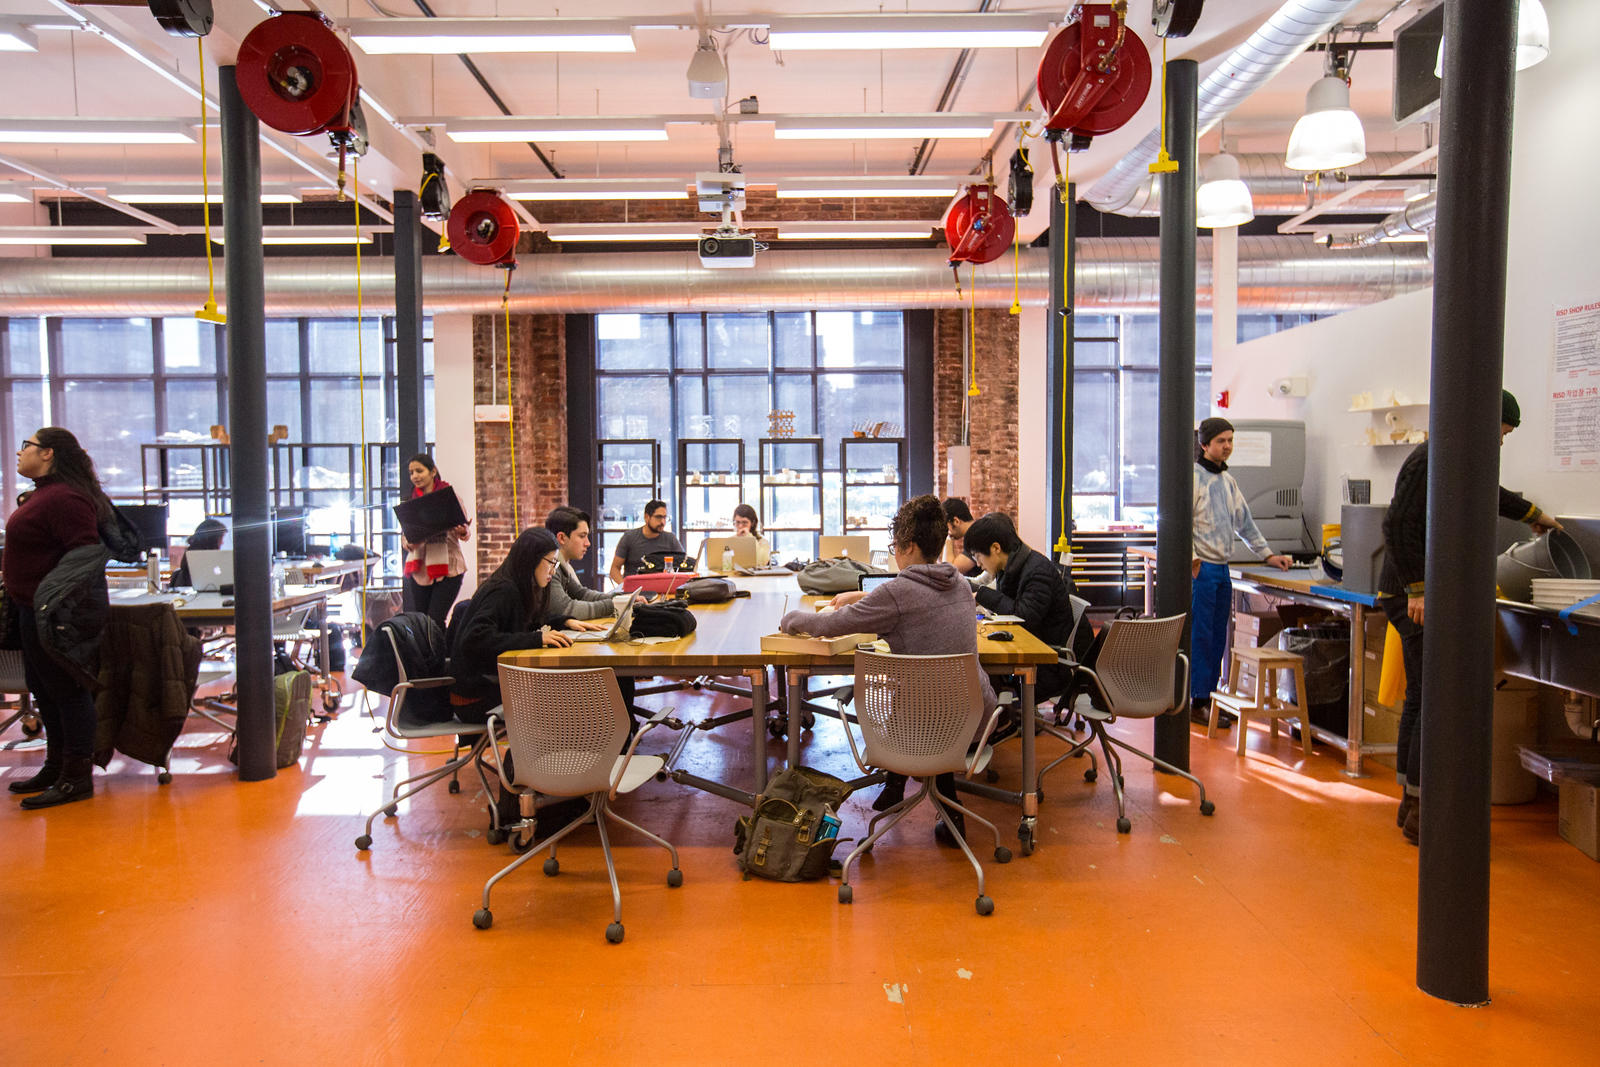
<point>1277,190</point>
<point>1266,52</point>
<point>1276,273</point>
<point>1415,218</point>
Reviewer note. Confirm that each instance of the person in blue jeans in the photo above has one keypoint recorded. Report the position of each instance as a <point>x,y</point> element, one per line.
<point>1220,512</point>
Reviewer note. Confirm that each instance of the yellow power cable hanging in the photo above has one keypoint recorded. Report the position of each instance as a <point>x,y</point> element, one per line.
<point>209,312</point>
<point>361,389</point>
<point>972,327</point>
<point>1164,163</point>
<point>1063,544</point>
<point>511,407</point>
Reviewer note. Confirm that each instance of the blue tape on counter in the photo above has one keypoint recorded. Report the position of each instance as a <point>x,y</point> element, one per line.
<point>1565,615</point>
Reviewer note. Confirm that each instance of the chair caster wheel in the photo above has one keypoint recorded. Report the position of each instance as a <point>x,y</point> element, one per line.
<point>495,836</point>
<point>521,842</point>
<point>1124,825</point>
<point>991,776</point>
<point>164,778</point>
<point>846,894</point>
<point>661,776</point>
<point>455,786</point>
<point>363,843</point>
<point>483,918</point>
<point>1207,808</point>
<point>985,906</point>
<point>552,867</point>
<point>1002,854</point>
<point>674,878</point>
<point>391,810</point>
<point>777,729</point>
<point>32,730</point>
<point>807,720</point>
<point>614,933</point>
<point>1090,775</point>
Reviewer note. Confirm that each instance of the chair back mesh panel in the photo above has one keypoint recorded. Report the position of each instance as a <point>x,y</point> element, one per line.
<point>12,678</point>
<point>1138,666</point>
<point>918,714</point>
<point>566,728</point>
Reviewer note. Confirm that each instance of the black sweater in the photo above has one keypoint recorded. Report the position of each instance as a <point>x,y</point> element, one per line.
<point>1405,526</point>
<point>1031,587</point>
<point>490,623</point>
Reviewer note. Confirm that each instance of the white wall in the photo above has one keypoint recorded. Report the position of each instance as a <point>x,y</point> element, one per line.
<point>1551,261</point>
<point>455,451</point>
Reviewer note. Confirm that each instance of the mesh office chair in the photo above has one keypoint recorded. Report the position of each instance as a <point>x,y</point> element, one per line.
<point>565,730</point>
<point>14,680</point>
<point>1135,676</point>
<point>414,713</point>
<point>918,715</point>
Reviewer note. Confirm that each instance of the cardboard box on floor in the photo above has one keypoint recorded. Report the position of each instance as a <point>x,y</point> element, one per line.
<point>1579,818</point>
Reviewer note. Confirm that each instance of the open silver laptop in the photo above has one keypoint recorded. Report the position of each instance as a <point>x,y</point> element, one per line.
<point>617,626</point>
<point>210,569</point>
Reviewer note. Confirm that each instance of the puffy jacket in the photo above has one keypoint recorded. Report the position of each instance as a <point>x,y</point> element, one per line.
<point>1032,588</point>
<point>147,679</point>
<point>72,604</point>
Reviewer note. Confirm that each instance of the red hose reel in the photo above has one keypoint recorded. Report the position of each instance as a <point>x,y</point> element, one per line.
<point>1094,76</point>
<point>296,75</point>
<point>979,227</point>
<point>483,229</point>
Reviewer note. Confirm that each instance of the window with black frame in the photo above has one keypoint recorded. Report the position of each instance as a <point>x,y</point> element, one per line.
<point>673,377</point>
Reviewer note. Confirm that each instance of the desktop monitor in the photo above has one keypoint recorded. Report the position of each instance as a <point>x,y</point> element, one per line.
<point>289,531</point>
<point>1269,463</point>
<point>151,522</point>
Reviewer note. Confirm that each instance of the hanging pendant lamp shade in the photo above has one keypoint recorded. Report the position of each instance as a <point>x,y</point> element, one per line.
<point>1222,199</point>
<point>1329,135</point>
<point>1533,37</point>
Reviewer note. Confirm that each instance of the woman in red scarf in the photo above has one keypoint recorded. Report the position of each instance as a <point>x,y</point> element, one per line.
<point>433,568</point>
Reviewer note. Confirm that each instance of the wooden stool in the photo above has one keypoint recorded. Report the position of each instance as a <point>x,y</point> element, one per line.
<point>1264,703</point>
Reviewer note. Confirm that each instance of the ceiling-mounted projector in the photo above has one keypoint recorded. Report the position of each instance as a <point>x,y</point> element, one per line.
<point>727,249</point>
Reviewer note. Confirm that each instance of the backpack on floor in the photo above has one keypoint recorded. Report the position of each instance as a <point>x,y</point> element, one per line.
<point>791,834</point>
<point>291,707</point>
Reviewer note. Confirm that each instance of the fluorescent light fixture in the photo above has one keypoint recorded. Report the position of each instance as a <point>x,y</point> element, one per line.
<point>1329,135</point>
<point>1533,37</point>
<point>855,127</point>
<point>873,32</point>
<point>1222,198</point>
<point>94,131</point>
<point>625,231</point>
<point>555,128</point>
<point>450,36</point>
<point>874,230</point>
<point>589,188</point>
<point>70,235</point>
<point>13,193</point>
<point>15,37</point>
<point>864,186</point>
<point>190,194</point>
<point>311,235</point>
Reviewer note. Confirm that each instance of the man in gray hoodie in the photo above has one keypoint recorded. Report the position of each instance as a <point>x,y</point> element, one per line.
<point>568,596</point>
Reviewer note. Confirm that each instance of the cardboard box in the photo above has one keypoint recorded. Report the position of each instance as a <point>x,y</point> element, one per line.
<point>815,646</point>
<point>1259,626</point>
<point>1580,815</point>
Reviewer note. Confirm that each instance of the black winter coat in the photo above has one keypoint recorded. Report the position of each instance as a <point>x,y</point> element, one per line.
<point>1031,587</point>
<point>72,604</point>
<point>490,623</point>
<point>147,679</point>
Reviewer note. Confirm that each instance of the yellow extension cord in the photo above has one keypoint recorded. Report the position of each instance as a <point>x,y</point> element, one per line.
<point>1164,163</point>
<point>1062,185</point>
<point>511,407</point>
<point>361,390</point>
<point>209,312</point>
<point>972,328</point>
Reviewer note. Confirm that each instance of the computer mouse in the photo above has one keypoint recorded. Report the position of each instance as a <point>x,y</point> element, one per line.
<point>1001,635</point>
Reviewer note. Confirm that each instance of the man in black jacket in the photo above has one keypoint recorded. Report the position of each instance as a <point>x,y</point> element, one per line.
<point>1405,542</point>
<point>1027,584</point>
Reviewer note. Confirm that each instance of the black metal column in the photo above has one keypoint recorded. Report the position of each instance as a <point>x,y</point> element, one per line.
<point>1469,287</point>
<point>247,429</point>
<point>1060,336</point>
<point>1175,461</point>
<point>412,426</point>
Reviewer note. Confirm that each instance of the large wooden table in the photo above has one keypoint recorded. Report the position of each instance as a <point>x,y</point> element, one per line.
<point>727,642</point>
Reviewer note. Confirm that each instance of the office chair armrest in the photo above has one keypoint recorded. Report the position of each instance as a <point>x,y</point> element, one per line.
<point>1184,698</point>
<point>983,738</point>
<point>1095,678</point>
<point>493,723</point>
<point>627,757</point>
<point>843,698</point>
<point>428,683</point>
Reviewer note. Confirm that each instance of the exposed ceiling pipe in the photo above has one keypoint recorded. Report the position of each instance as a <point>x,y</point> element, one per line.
<point>1277,190</point>
<point>1415,219</point>
<point>1263,55</point>
<point>1285,274</point>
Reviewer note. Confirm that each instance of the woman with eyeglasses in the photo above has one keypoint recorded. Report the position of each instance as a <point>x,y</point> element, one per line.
<point>746,523</point>
<point>55,589</point>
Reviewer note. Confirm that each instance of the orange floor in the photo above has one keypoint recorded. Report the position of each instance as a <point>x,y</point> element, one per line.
<point>213,921</point>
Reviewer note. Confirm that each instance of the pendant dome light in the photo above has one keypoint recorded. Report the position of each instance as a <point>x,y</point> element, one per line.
<point>1533,37</point>
<point>1329,135</point>
<point>1223,199</point>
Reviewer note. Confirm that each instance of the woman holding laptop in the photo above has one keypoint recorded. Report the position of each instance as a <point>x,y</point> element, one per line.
<point>433,569</point>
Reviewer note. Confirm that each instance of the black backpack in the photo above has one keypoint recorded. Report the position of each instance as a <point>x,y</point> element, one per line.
<point>656,562</point>
<point>667,618</point>
<point>710,591</point>
<point>422,646</point>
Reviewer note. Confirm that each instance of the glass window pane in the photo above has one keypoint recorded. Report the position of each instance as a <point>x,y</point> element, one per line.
<point>1090,512</point>
<point>428,424</point>
<point>111,421</point>
<point>792,339</point>
<point>1095,327</point>
<point>631,342</point>
<point>1140,410</point>
<point>283,406</point>
<point>1094,353</point>
<point>24,347</point>
<point>331,346</point>
<point>1202,395</point>
<point>188,346</point>
<point>106,346</point>
<point>794,394</point>
<point>427,345</point>
<point>283,346</point>
<point>689,340</point>
<point>847,402</point>
<point>638,409</point>
<point>1202,340</point>
<point>692,418</point>
<point>191,407</point>
<point>738,403</point>
<point>737,341</point>
<point>336,411</point>
<point>1094,432</point>
<point>27,414</point>
<point>1141,340</point>
<point>860,339</point>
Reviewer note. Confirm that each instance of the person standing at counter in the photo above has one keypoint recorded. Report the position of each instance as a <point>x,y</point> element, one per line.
<point>1400,589</point>
<point>434,568</point>
<point>1220,512</point>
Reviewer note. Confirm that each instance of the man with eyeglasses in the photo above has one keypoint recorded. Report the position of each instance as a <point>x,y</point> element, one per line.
<point>648,539</point>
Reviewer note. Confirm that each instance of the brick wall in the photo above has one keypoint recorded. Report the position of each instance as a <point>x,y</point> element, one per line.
<point>539,382</point>
<point>993,413</point>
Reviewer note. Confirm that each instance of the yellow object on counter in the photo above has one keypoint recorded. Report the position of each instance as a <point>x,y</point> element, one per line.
<point>1330,530</point>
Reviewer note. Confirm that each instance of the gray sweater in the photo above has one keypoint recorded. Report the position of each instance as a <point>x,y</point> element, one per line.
<point>927,610</point>
<point>571,599</point>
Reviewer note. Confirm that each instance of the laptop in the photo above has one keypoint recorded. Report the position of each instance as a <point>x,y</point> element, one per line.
<point>869,582</point>
<point>210,570</point>
<point>612,634</point>
<point>429,515</point>
<point>744,551</point>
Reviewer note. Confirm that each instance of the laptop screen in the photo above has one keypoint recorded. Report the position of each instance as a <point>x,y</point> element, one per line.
<point>869,582</point>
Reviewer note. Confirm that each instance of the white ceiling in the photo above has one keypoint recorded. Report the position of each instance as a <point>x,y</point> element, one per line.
<point>84,73</point>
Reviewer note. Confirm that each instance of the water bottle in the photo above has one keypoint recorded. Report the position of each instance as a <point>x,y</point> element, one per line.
<point>727,558</point>
<point>152,571</point>
<point>280,581</point>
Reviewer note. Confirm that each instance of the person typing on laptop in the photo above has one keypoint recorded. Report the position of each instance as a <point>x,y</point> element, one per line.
<point>746,523</point>
<point>568,596</point>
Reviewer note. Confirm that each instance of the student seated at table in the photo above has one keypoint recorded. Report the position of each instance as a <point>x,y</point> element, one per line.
<point>1027,584</point>
<point>927,610</point>
<point>746,523</point>
<point>208,538</point>
<point>959,517</point>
